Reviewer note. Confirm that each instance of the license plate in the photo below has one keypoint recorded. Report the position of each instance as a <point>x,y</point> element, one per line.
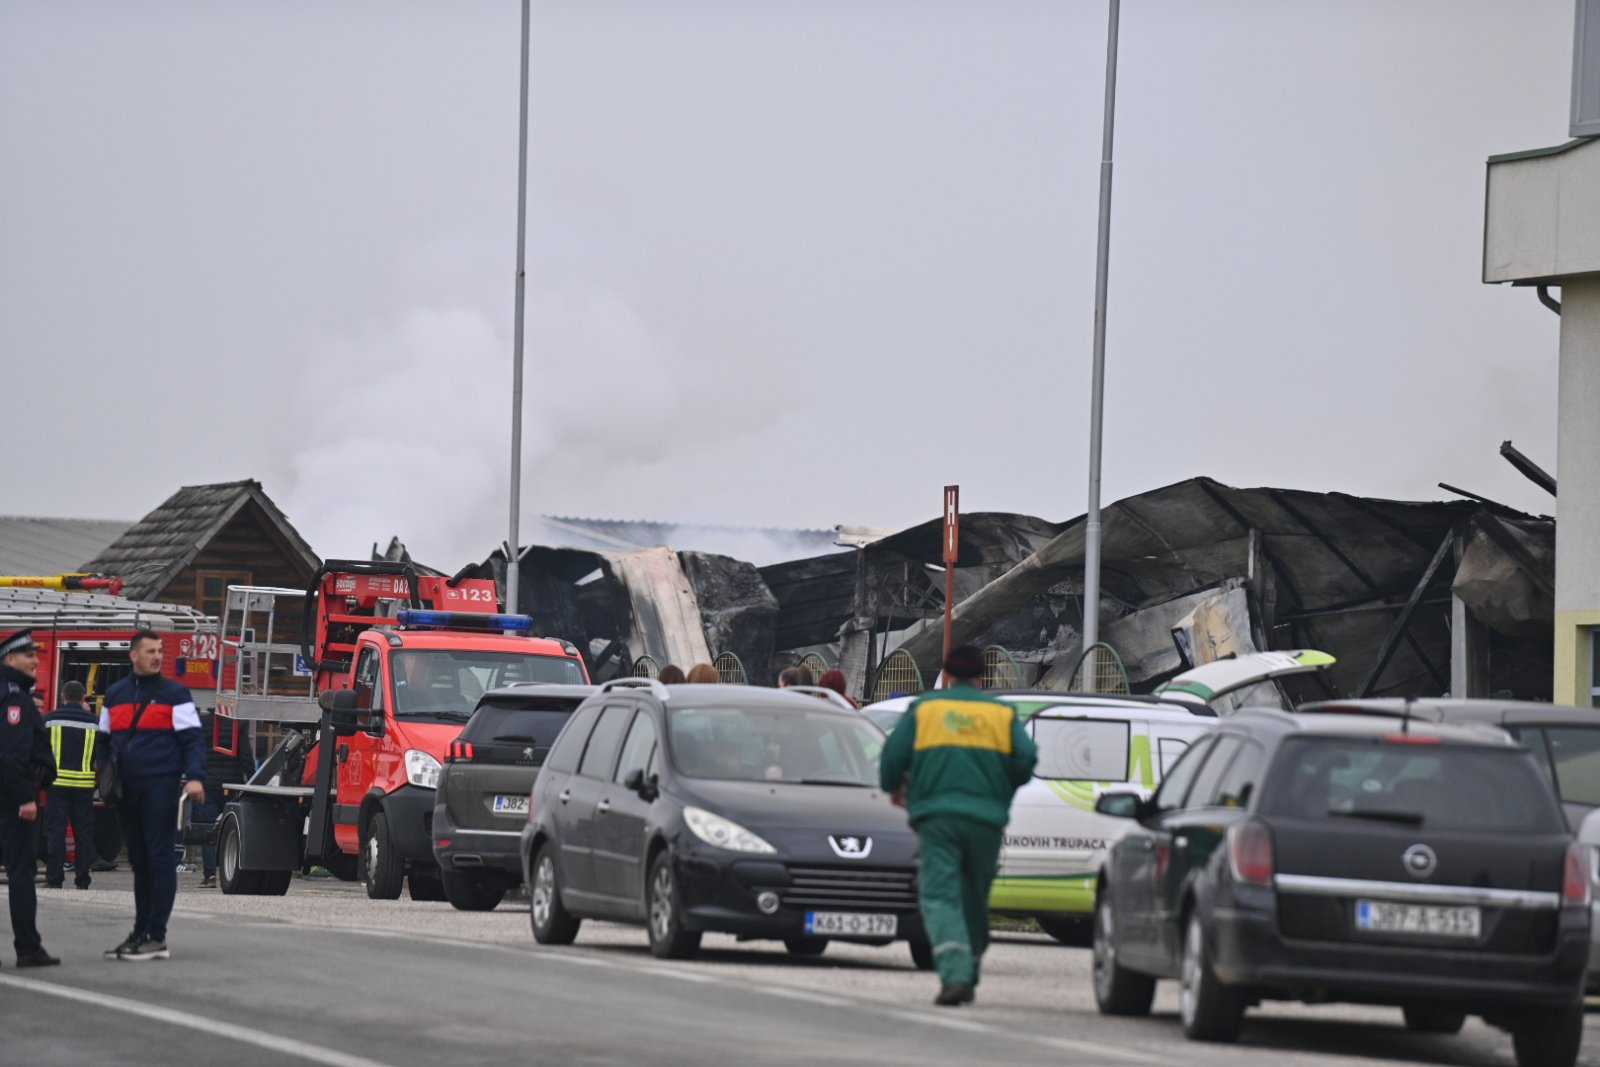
<point>852,923</point>
<point>1382,917</point>
<point>510,805</point>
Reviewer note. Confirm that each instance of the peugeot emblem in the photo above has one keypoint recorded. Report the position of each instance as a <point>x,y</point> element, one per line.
<point>527,753</point>
<point>1419,861</point>
<point>850,847</point>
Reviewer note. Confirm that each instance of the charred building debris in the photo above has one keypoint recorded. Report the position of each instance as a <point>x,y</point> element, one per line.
<point>1418,598</point>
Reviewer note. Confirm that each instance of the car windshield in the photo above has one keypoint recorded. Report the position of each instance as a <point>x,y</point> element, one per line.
<point>1438,786</point>
<point>446,683</point>
<point>774,745</point>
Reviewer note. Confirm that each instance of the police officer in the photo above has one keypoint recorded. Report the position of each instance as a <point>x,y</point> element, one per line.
<point>25,768</point>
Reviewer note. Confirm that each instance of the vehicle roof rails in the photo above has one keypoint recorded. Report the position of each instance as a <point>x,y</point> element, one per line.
<point>657,690</point>
<point>822,691</point>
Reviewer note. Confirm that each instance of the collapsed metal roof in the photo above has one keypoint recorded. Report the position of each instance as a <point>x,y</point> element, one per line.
<point>1323,570</point>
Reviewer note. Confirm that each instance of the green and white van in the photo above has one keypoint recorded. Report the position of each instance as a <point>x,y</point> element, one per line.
<point>1090,743</point>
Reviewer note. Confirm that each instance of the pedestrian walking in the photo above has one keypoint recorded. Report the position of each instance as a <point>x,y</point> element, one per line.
<point>156,743</point>
<point>955,760</point>
<point>76,745</point>
<point>25,769</point>
<point>221,768</point>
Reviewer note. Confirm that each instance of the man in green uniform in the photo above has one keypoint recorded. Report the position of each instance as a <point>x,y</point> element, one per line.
<point>955,760</point>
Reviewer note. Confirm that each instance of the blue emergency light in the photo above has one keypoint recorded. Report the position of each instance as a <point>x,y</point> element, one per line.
<point>474,620</point>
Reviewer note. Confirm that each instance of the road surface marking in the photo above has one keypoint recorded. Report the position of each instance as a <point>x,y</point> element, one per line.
<point>231,1031</point>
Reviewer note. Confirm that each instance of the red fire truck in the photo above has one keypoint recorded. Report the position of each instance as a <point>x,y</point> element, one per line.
<point>84,637</point>
<point>369,680</point>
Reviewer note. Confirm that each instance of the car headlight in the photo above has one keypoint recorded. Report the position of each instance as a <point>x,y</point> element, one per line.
<point>723,833</point>
<point>422,769</point>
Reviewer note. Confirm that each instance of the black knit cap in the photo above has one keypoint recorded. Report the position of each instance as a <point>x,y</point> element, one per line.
<point>965,662</point>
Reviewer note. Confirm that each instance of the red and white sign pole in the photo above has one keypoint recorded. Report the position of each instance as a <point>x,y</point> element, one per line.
<point>952,545</point>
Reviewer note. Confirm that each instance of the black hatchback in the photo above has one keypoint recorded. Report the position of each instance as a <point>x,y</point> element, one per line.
<point>482,800</point>
<point>1350,858</point>
<point>722,808</point>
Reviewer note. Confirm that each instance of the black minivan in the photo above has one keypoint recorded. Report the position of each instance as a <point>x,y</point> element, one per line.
<point>481,803</point>
<point>696,808</point>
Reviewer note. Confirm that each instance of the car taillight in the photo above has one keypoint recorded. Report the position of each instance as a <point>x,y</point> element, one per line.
<point>1577,886</point>
<point>459,750</point>
<point>1250,853</point>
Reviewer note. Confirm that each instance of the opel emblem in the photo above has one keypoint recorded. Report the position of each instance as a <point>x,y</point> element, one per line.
<point>850,847</point>
<point>1419,861</point>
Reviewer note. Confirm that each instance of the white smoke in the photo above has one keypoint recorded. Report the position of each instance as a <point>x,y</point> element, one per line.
<point>409,432</point>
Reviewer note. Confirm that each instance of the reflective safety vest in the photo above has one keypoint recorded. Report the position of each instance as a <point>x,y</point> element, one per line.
<point>80,775</point>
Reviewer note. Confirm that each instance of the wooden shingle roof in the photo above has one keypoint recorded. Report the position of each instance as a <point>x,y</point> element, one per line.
<point>151,552</point>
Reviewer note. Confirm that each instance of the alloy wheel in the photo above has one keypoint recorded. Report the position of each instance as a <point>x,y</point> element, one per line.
<point>661,904</point>
<point>544,888</point>
<point>1105,953</point>
<point>1189,984</point>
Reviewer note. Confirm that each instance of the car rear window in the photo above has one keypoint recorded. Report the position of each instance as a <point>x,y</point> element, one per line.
<point>518,724</point>
<point>1439,786</point>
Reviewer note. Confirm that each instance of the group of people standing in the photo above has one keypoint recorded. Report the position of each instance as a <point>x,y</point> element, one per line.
<point>150,731</point>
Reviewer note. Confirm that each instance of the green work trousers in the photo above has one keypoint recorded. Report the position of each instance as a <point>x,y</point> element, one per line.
<point>959,857</point>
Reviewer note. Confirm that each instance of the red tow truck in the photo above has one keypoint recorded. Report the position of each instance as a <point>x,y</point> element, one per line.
<point>370,680</point>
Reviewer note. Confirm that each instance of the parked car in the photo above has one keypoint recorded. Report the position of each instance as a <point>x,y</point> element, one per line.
<point>1089,743</point>
<point>1564,740</point>
<point>1350,858</point>
<point>696,808</point>
<point>481,803</point>
<point>886,713</point>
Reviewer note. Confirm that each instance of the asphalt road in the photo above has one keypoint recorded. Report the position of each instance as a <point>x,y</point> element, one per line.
<point>326,976</point>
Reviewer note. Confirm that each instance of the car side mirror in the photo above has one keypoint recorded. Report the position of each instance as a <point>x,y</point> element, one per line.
<point>636,781</point>
<point>1120,805</point>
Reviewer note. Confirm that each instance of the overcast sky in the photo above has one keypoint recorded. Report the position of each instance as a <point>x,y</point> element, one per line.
<point>791,263</point>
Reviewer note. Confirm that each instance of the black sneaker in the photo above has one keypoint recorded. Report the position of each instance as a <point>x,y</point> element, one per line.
<point>127,943</point>
<point>37,958</point>
<point>146,948</point>
<point>208,882</point>
<point>954,994</point>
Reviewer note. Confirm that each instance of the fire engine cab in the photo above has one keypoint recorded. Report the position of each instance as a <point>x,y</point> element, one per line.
<point>369,680</point>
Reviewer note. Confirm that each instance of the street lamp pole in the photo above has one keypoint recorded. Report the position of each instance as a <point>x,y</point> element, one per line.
<point>514,542</point>
<point>1091,550</point>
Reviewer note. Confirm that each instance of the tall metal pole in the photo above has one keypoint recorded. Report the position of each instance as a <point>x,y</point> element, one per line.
<point>1091,550</point>
<point>514,542</point>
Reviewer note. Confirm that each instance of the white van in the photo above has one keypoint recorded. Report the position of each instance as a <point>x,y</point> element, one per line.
<point>1090,743</point>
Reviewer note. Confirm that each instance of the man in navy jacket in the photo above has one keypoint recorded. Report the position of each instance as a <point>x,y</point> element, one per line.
<point>156,741</point>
